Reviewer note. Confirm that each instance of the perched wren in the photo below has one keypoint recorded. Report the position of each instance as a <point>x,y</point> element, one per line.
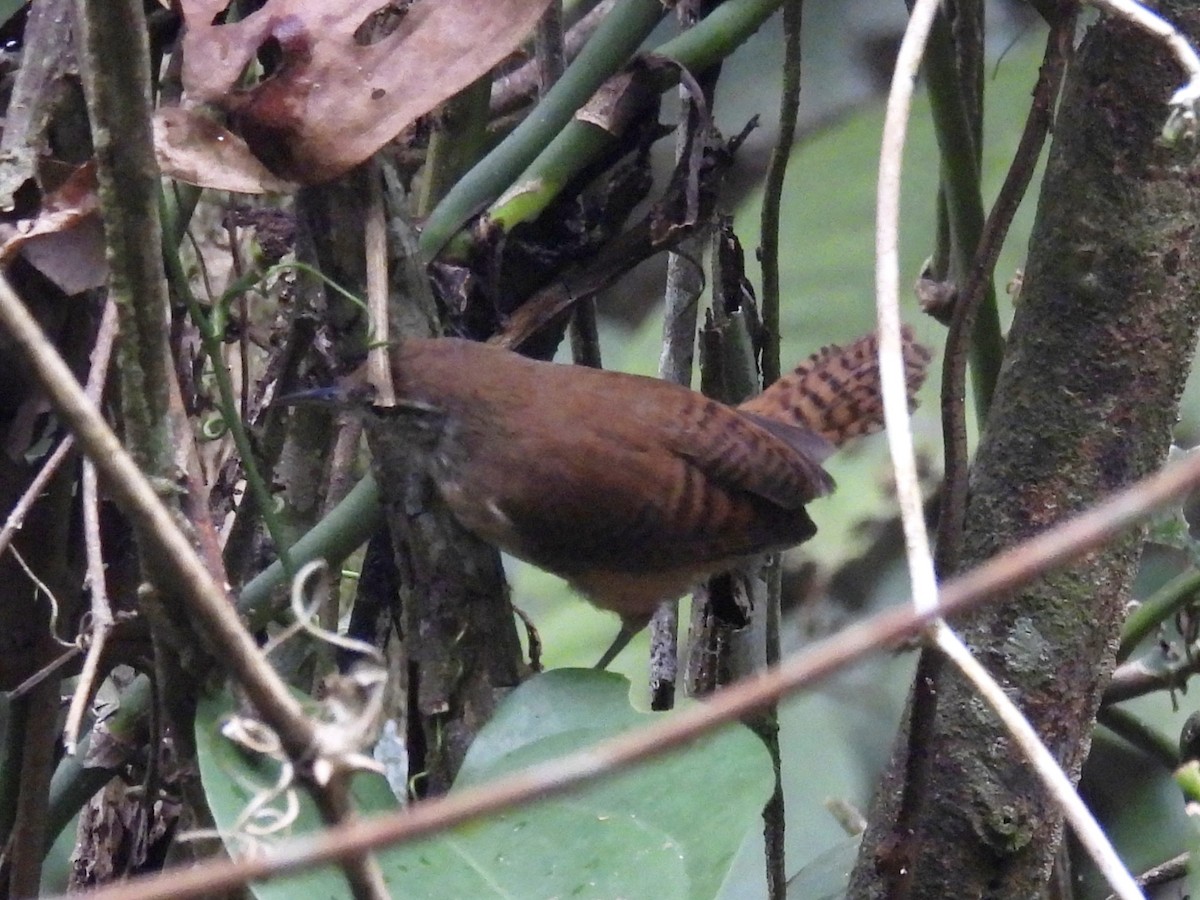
<point>634,489</point>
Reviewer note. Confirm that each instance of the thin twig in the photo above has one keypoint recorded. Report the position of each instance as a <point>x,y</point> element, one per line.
<point>101,610</point>
<point>549,53</point>
<point>141,503</point>
<point>550,59</point>
<point>102,617</point>
<point>1153,671</point>
<point>1171,870</point>
<point>45,589</point>
<point>789,105</point>
<point>998,577</point>
<point>898,425</point>
<point>585,334</point>
<point>375,238</point>
<point>900,444</point>
<point>680,313</point>
<point>21,509</point>
<point>680,308</point>
<point>774,814</point>
<point>683,287</point>
<point>44,672</point>
<point>952,509</point>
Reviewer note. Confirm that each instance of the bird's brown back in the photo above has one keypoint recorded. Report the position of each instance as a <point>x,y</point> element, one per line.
<point>632,488</point>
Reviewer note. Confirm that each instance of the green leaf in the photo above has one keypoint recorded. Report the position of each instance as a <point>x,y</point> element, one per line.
<point>667,829</point>
<point>703,800</point>
<point>233,777</point>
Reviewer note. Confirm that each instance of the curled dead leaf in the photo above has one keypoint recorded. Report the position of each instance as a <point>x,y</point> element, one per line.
<point>192,147</point>
<point>65,240</point>
<point>621,99</point>
<point>338,94</point>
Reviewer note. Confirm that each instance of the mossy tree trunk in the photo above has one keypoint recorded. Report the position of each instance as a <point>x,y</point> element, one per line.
<point>1095,364</point>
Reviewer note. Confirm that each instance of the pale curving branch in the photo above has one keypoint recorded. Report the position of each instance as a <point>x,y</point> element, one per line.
<point>899,435</point>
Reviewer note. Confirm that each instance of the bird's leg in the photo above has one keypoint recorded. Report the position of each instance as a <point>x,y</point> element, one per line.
<point>620,642</point>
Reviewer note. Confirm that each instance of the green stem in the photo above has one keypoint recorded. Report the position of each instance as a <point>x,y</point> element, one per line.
<point>226,400</point>
<point>718,34</point>
<point>789,102</point>
<point>456,142</point>
<point>178,203</point>
<point>577,144</point>
<point>1134,731</point>
<point>336,536</point>
<point>622,31</point>
<point>1163,603</point>
<point>964,205</point>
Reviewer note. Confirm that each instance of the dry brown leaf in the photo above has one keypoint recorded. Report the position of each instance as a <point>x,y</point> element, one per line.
<point>74,259</point>
<point>333,101</point>
<point>192,147</point>
<point>65,240</point>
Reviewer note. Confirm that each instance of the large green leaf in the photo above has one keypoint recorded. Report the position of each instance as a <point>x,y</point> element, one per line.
<point>668,829</point>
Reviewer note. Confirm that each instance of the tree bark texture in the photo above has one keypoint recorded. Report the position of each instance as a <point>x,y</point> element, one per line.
<point>1096,359</point>
<point>456,621</point>
<point>459,634</point>
<point>461,649</point>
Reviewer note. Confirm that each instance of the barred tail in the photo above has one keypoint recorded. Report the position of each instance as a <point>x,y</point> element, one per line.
<point>835,392</point>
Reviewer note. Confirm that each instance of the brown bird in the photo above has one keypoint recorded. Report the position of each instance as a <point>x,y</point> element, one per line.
<point>630,488</point>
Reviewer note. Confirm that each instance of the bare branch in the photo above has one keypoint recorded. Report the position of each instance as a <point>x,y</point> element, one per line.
<point>1000,575</point>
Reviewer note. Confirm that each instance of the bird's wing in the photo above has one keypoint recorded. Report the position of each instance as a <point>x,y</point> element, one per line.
<point>776,461</point>
<point>708,485</point>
